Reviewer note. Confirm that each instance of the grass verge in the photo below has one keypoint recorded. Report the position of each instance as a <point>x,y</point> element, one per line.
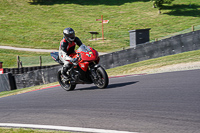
<point>182,61</point>
<point>24,90</point>
<point>39,25</point>
<point>22,130</point>
<point>9,57</point>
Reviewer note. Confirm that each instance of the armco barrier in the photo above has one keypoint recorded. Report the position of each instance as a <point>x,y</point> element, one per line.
<point>174,45</point>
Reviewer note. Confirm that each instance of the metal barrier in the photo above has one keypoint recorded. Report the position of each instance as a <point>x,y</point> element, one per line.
<point>36,77</point>
<point>173,45</point>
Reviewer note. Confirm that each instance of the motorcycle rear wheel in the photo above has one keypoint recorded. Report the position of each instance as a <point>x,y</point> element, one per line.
<point>102,78</point>
<point>65,84</point>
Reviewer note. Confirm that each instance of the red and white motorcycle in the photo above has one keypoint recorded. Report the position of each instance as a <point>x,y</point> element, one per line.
<point>85,71</point>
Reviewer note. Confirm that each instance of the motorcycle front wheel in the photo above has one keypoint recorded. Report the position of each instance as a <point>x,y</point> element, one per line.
<point>103,79</point>
<point>64,83</point>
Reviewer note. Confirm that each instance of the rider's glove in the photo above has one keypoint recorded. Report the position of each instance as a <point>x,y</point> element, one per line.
<point>74,60</point>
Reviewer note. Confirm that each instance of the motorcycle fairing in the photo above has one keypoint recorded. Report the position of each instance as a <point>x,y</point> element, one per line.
<point>84,65</point>
<point>89,56</point>
<point>55,57</point>
<point>86,55</point>
<point>81,76</point>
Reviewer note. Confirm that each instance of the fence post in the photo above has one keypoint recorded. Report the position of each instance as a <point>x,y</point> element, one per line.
<point>40,60</point>
<point>18,62</point>
<point>192,27</point>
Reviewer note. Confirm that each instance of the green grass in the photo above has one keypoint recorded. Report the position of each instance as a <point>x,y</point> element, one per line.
<point>21,130</point>
<point>152,65</point>
<point>24,90</point>
<point>9,57</point>
<point>40,25</point>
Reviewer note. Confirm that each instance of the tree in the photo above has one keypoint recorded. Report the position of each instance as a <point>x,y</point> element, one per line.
<point>159,3</point>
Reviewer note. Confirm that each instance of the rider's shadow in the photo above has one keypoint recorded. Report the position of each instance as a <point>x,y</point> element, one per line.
<point>110,86</point>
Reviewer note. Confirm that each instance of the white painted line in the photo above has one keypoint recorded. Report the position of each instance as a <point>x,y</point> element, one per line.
<point>64,128</point>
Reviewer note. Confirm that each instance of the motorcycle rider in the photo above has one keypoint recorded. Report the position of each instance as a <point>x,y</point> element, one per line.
<point>67,49</point>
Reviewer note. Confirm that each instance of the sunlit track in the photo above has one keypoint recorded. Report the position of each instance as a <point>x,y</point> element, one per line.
<point>165,102</point>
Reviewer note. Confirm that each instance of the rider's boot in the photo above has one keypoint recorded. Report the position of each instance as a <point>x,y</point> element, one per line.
<point>64,72</point>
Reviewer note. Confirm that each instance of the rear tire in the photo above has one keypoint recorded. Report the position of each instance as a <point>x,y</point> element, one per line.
<point>103,79</point>
<point>64,83</point>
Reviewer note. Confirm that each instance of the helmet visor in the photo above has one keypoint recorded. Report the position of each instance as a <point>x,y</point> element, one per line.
<point>71,37</point>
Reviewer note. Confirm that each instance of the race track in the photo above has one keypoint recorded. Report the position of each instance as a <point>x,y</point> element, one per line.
<point>156,103</point>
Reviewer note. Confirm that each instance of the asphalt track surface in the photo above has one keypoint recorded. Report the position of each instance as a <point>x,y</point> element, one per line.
<point>156,103</point>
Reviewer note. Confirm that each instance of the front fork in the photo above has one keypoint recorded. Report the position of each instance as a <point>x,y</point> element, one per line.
<point>94,75</point>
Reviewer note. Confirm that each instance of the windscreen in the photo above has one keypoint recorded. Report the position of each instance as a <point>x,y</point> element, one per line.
<point>83,48</point>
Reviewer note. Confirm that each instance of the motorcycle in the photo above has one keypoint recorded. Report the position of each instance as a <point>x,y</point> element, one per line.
<point>85,71</point>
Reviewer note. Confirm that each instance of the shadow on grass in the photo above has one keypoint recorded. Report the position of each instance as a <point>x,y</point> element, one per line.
<point>183,10</point>
<point>83,2</point>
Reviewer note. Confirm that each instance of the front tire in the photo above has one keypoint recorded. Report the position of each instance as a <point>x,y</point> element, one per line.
<point>64,83</point>
<point>103,79</point>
